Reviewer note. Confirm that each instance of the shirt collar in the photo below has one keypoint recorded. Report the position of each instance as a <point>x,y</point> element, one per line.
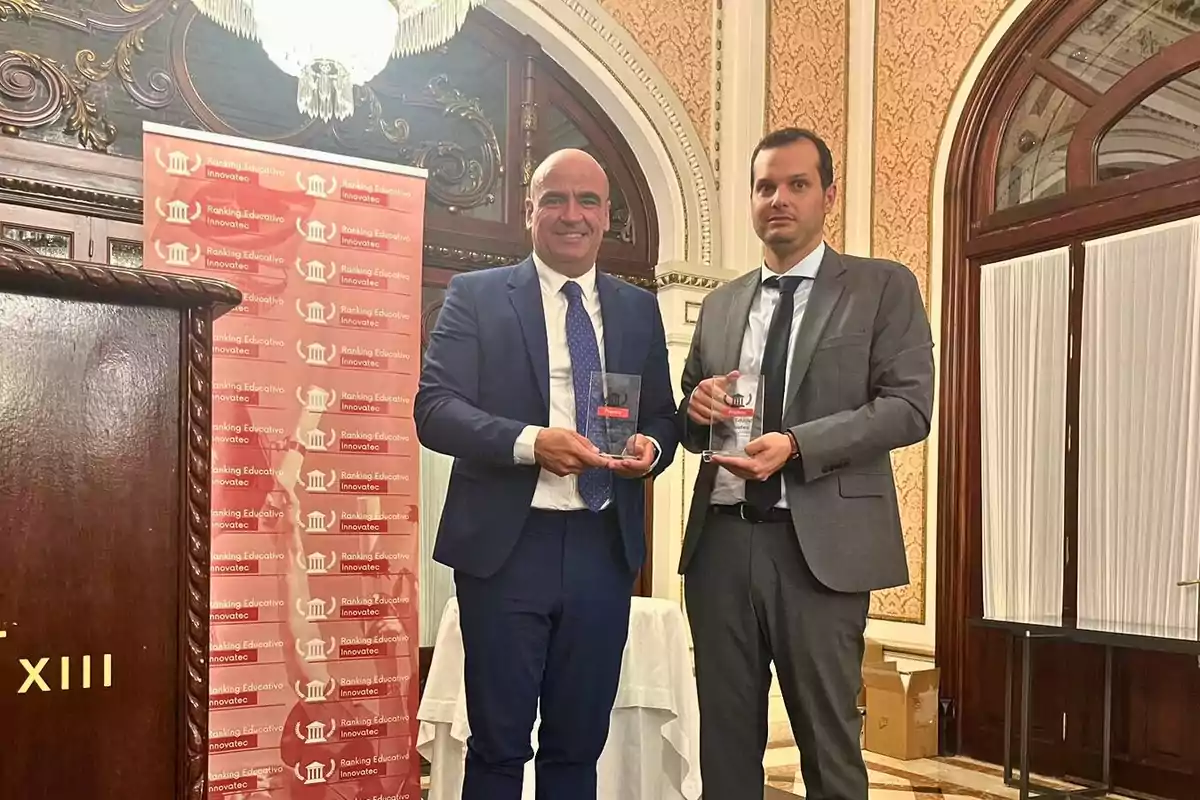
<point>552,281</point>
<point>806,268</point>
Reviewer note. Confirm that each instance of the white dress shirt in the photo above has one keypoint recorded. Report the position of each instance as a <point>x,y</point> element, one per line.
<point>555,493</point>
<point>730,489</point>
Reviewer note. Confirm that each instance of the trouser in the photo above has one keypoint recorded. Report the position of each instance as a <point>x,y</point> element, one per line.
<point>751,599</point>
<point>550,626</point>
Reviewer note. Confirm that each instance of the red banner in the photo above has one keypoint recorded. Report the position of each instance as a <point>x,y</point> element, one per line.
<point>314,671</point>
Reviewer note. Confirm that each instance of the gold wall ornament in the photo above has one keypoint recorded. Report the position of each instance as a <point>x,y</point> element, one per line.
<point>160,91</point>
<point>66,92</point>
<point>20,10</point>
<point>25,77</point>
<point>457,180</point>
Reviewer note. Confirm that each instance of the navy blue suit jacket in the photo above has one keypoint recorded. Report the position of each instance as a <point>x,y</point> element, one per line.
<point>487,375</point>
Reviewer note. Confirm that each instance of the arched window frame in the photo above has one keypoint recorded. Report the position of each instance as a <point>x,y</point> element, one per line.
<point>976,232</point>
<point>1089,206</point>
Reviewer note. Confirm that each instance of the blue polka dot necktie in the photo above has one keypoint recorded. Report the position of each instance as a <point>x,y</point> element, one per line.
<point>595,485</point>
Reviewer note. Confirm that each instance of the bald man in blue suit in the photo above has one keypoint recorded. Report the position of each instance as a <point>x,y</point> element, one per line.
<point>545,534</point>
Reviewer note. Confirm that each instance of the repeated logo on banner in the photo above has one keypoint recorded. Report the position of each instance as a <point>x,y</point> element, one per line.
<point>314,641</point>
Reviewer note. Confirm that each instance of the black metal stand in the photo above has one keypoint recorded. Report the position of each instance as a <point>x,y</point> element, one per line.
<point>1109,641</point>
<point>1029,790</point>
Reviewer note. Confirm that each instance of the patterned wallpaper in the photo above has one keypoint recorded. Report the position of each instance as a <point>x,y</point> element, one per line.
<point>808,80</point>
<point>680,43</point>
<point>922,50</point>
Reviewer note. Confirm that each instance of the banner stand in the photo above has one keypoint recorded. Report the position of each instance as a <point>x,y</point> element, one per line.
<point>315,465</point>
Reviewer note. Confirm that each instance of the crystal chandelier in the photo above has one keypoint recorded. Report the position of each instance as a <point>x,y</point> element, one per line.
<point>331,47</point>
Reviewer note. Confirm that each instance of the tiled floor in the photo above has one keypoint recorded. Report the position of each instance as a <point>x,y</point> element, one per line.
<point>890,779</point>
<point>925,779</point>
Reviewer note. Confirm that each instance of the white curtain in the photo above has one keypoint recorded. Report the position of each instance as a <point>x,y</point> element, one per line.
<point>1023,330</point>
<point>1139,437</point>
<point>437,580</point>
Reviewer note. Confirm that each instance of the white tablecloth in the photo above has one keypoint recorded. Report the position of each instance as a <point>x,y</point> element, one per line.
<point>653,748</point>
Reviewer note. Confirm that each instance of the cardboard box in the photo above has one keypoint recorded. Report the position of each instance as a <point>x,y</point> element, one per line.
<point>872,656</point>
<point>902,712</point>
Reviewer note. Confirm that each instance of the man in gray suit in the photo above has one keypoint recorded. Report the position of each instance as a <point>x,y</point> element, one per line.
<point>785,543</point>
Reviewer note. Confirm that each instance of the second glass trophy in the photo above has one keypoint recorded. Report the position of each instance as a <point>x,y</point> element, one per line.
<point>742,421</point>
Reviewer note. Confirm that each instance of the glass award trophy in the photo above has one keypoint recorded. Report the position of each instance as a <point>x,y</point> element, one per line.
<point>742,422</point>
<point>613,418</point>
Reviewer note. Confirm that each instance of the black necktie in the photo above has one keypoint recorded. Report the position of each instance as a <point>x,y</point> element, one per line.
<point>763,495</point>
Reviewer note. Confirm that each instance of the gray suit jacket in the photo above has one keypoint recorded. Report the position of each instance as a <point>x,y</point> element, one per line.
<point>862,386</point>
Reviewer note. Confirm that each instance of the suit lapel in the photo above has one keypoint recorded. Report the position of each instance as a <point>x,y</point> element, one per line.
<point>610,311</point>
<point>525,294</point>
<point>735,324</point>
<point>826,290</point>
